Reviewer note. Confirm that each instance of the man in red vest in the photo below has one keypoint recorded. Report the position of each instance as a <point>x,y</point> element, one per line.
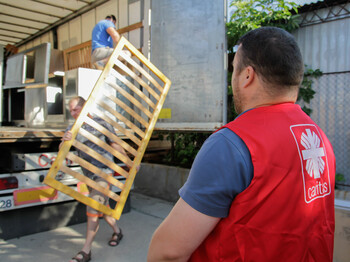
<point>262,187</point>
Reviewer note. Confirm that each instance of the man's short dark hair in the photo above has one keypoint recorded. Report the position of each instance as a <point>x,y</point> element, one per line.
<point>275,56</point>
<point>80,101</point>
<point>111,17</point>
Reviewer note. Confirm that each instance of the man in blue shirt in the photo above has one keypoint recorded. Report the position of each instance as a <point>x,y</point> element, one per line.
<point>104,36</point>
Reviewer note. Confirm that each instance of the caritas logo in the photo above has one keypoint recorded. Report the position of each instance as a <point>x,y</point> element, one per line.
<point>314,164</point>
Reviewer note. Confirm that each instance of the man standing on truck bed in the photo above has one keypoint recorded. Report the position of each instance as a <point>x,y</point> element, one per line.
<point>262,187</point>
<point>75,106</point>
<point>104,35</point>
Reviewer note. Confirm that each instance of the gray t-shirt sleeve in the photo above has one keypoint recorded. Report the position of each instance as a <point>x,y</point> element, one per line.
<point>221,170</point>
<point>68,128</point>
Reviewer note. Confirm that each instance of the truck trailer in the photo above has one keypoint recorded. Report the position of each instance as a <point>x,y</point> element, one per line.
<point>185,40</point>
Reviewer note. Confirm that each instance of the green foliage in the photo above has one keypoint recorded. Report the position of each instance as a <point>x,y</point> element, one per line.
<point>306,92</point>
<point>339,178</point>
<point>249,15</point>
<point>185,147</point>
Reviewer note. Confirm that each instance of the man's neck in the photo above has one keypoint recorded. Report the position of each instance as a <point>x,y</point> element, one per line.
<point>270,102</point>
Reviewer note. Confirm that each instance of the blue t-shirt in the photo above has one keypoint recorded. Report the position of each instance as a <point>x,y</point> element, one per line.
<point>222,169</point>
<point>100,37</point>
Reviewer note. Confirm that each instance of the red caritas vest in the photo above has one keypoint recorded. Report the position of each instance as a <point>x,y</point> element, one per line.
<point>287,212</point>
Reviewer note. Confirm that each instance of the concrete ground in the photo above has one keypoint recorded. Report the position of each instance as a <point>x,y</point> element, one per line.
<point>63,243</point>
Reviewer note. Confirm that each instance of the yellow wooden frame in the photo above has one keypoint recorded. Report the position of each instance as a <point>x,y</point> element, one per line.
<point>146,97</point>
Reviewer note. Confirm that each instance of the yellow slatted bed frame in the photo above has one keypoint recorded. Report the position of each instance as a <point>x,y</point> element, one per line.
<point>141,90</point>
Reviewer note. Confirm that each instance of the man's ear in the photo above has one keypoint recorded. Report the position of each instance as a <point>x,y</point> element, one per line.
<point>248,76</point>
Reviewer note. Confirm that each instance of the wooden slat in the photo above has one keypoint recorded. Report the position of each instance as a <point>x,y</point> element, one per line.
<point>74,54</point>
<point>122,118</point>
<point>137,78</point>
<point>142,71</point>
<point>78,196</point>
<point>77,47</point>
<point>36,86</point>
<point>132,99</point>
<point>131,112</point>
<point>130,28</point>
<point>105,146</point>
<point>121,129</point>
<point>13,134</point>
<point>133,88</point>
<point>110,179</point>
<point>113,137</point>
<point>90,183</point>
<point>100,158</point>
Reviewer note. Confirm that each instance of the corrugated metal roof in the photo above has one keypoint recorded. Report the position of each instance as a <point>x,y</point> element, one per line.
<point>23,20</point>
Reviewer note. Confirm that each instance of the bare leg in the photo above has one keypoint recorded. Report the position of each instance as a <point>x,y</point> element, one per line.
<point>113,224</point>
<point>92,228</point>
<point>105,60</point>
<point>100,64</point>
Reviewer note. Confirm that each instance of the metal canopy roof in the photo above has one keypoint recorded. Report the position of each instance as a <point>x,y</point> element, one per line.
<point>24,20</point>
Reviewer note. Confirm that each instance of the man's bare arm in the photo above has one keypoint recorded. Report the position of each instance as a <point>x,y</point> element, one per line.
<point>180,234</point>
<point>119,148</point>
<point>114,34</point>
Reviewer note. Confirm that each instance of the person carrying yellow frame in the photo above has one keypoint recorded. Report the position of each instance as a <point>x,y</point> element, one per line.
<point>141,91</point>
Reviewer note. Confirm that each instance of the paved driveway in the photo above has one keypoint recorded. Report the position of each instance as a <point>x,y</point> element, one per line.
<point>62,243</point>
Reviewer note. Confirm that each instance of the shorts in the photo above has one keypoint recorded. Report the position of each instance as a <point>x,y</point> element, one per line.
<point>98,196</point>
<point>101,53</point>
